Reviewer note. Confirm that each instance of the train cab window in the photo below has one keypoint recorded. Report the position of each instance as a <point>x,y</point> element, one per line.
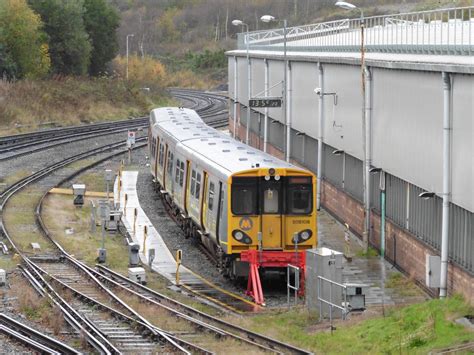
<point>193,182</point>
<point>244,196</point>
<point>271,201</point>
<point>198,185</point>
<point>210,202</point>
<point>299,195</point>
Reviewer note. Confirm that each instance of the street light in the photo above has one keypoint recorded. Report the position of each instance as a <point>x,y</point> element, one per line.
<point>128,36</point>
<point>365,127</point>
<point>268,19</point>
<point>249,79</point>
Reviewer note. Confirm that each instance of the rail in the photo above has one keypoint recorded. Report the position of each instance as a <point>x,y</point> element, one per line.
<point>436,32</point>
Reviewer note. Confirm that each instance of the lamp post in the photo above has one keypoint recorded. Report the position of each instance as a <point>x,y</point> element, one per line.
<point>286,117</point>
<point>365,126</point>
<point>128,36</point>
<point>249,76</point>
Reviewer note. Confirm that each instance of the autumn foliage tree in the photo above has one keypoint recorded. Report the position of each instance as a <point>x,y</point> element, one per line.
<point>23,49</point>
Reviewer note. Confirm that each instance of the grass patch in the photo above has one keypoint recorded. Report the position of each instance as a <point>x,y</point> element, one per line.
<point>29,105</point>
<point>19,218</point>
<point>94,181</point>
<point>59,213</point>
<point>416,328</point>
<point>404,286</point>
<point>370,253</point>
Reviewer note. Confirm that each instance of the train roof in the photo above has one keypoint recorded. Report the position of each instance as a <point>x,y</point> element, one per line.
<point>213,146</point>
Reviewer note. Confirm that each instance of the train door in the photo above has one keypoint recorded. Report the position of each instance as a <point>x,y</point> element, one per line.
<point>156,157</point>
<point>204,203</point>
<point>271,197</point>
<point>165,164</point>
<point>186,189</point>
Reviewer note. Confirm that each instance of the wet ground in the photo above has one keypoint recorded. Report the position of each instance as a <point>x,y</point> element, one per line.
<point>370,270</point>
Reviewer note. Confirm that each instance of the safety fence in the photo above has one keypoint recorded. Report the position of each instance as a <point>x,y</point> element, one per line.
<point>442,32</point>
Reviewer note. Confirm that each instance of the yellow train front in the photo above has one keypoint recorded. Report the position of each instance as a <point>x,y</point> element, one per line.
<point>271,210</point>
<point>250,210</point>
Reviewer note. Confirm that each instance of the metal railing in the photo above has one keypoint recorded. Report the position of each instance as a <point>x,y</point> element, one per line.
<point>439,32</point>
<point>333,301</point>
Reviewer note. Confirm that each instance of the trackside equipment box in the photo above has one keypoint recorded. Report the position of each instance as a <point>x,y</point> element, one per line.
<point>326,263</point>
<point>137,274</point>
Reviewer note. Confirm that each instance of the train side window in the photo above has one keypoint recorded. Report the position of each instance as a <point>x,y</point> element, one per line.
<point>211,196</point>
<point>198,185</point>
<point>176,178</point>
<point>162,153</point>
<point>193,182</point>
<point>170,162</point>
<point>181,177</point>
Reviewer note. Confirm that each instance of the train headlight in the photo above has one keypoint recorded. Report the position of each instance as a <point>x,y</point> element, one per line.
<point>277,177</point>
<point>241,237</point>
<point>305,235</point>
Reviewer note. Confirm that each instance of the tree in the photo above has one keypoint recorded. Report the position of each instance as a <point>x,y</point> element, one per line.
<point>69,44</point>
<point>101,22</point>
<point>23,52</point>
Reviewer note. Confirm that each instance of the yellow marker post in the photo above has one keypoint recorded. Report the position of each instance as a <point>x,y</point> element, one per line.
<point>135,213</point>
<point>145,235</point>
<point>119,188</point>
<point>125,205</point>
<point>179,255</point>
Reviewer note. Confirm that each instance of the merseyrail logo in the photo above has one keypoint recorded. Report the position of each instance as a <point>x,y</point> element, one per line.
<point>245,223</point>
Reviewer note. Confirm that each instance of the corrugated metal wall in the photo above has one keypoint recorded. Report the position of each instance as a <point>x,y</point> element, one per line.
<point>407,132</point>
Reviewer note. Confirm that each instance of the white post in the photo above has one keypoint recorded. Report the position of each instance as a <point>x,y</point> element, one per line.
<point>446,183</point>
<point>265,123</point>
<point>249,88</point>
<point>235,95</point>
<point>285,94</point>
<point>320,136</point>
<point>368,155</point>
<point>127,54</point>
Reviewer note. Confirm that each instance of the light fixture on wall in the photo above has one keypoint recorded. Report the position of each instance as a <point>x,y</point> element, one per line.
<point>374,170</point>
<point>320,92</point>
<point>337,152</point>
<point>426,195</point>
<point>300,134</point>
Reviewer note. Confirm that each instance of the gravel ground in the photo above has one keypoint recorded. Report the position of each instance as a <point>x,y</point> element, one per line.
<point>193,258</point>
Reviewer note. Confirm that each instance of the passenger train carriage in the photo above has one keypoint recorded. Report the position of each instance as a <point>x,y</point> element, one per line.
<point>233,197</point>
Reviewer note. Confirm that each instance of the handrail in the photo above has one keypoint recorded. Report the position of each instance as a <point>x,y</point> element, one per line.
<point>434,32</point>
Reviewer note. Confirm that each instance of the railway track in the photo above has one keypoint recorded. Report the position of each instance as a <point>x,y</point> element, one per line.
<point>212,107</point>
<point>23,144</point>
<point>32,338</point>
<point>191,314</point>
<point>107,322</point>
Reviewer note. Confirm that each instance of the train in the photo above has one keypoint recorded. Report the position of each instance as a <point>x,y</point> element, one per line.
<point>232,197</point>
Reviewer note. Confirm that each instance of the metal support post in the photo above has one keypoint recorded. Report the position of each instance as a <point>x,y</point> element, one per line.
<point>265,123</point>
<point>285,92</point>
<point>367,152</point>
<point>235,95</point>
<point>249,86</point>
<point>447,109</point>
<point>93,216</point>
<point>320,137</point>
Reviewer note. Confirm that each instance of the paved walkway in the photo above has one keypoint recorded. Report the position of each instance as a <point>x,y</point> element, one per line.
<point>163,262</point>
<point>362,269</point>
